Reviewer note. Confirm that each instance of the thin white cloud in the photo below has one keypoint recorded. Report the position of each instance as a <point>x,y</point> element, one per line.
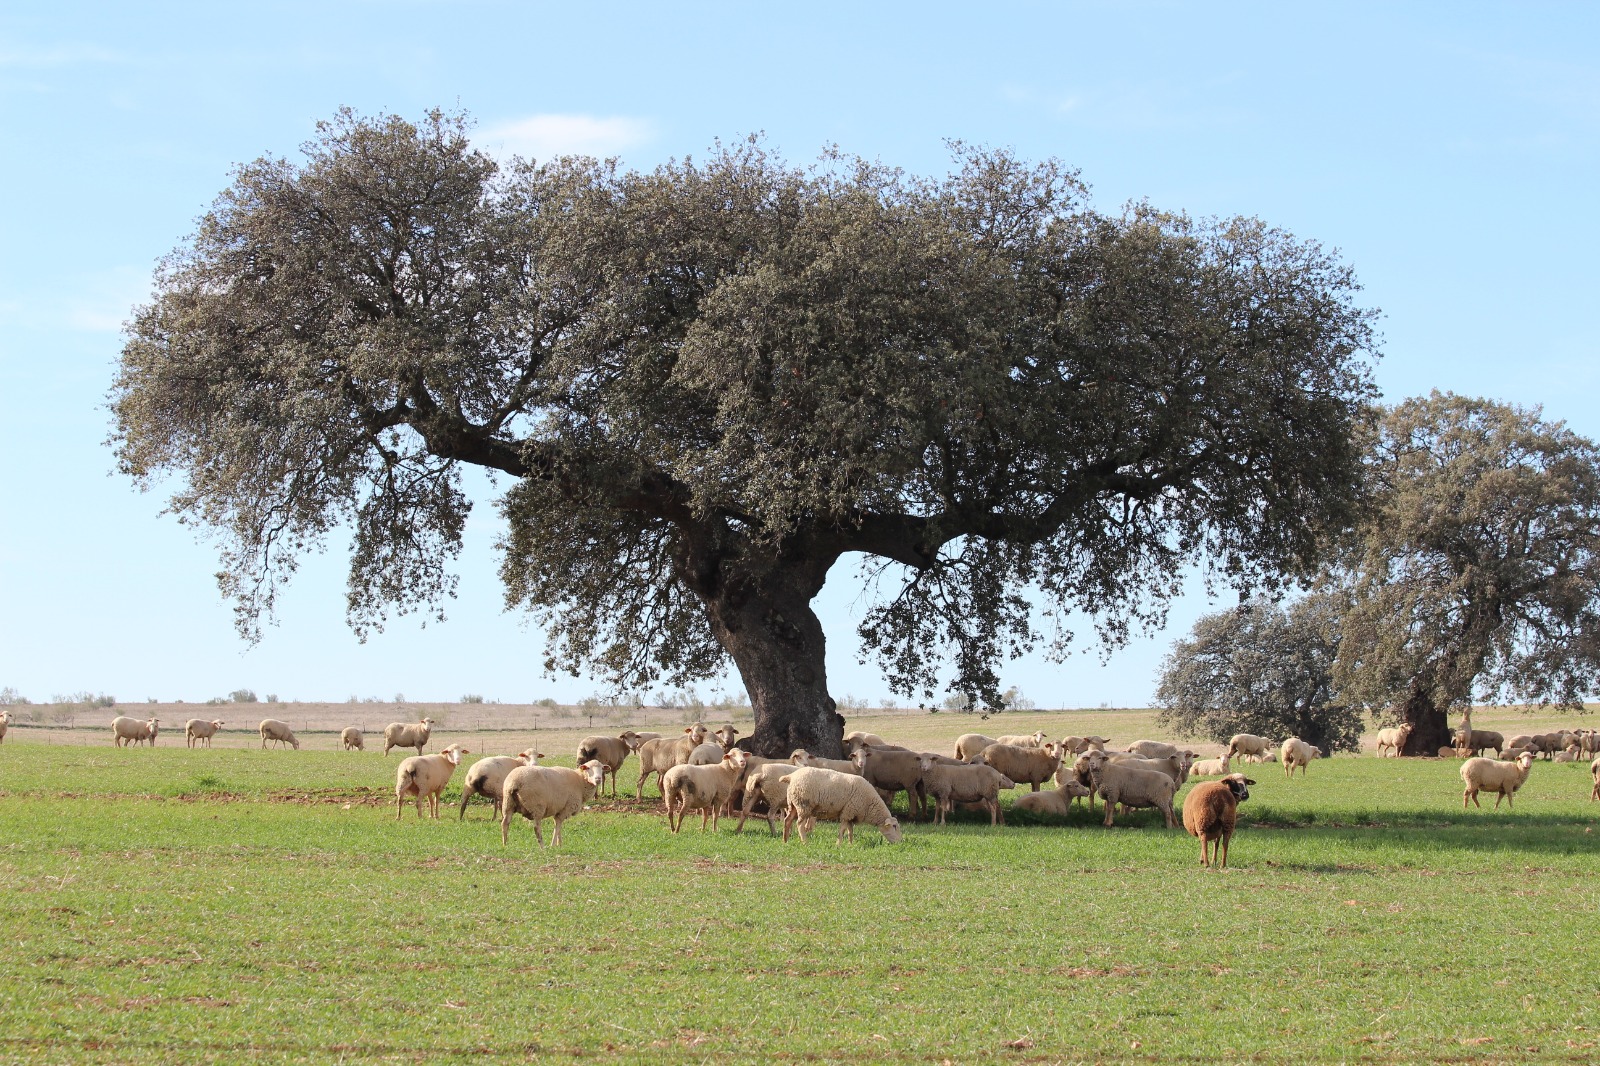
<point>547,136</point>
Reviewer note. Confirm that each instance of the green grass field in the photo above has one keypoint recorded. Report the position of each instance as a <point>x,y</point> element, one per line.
<point>236,905</point>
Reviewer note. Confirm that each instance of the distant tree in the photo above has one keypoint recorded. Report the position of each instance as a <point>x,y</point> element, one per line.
<point>1477,575</point>
<point>1263,669</point>
<point>710,382</point>
<point>472,698</point>
<point>10,697</point>
<point>242,695</point>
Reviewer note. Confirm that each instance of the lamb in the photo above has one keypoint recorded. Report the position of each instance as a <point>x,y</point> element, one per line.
<point>487,777</point>
<point>277,732</point>
<point>612,752</point>
<point>129,731</point>
<point>1249,744</point>
<point>1492,775</point>
<point>817,793</point>
<point>892,770</point>
<point>1030,740</point>
<point>1210,811</point>
<point>660,754</point>
<point>1024,765</point>
<point>1296,752</point>
<point>1135,786</point>
<point>1594,772</point>
<point>802,757</point>
<point>765,783</point>
<point>1210,768</point>
<point>1474,741</point>
<point>1394,739</point>
<point>401,735</point>
<point>1056,801</point>
<point>969,744</point>
<point>701,788</point>
<point>197,729</point>
<point>424,776</point>
<point>537,792</point>
<point>963,783</point>
<point>351,738</point>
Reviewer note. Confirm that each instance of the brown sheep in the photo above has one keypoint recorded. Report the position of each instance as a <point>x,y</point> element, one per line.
<point>1210,811</point>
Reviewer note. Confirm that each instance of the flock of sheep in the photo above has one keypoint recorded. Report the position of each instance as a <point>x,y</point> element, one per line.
<point>706,772</point>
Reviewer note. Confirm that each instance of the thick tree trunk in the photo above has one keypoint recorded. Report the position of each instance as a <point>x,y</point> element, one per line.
<point>1430,728</point>
<point>777,643</point>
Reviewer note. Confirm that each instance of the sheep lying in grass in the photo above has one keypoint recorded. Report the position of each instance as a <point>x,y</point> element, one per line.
<point>1249,744</point>
<point>1135,786</point>
<point>425,776</point>
<point>1266,756</point>
<point>277,732</point>
<point>963,783</point>
<point>540,792</point>
<point>1296,752</point>
<point>969,745</point>
<point>1492,775</point>
<point>1394,739</point>
<point>660,754</point>
<point>129,732</point>
<point>1056,801</point>
<point>403,735</point>
<point>198,729</point>
<point>487,777</point>
<point>611,752</point>
<point>1210,811</point>
<point>1210,767</point>
<point>701,788</point>
<point>351,739</point>
<point>831,796</point>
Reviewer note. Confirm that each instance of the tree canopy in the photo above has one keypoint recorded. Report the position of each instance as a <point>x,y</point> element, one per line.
<point>710,381</point>
<point>1476,575</point>
<point>1260,668</point>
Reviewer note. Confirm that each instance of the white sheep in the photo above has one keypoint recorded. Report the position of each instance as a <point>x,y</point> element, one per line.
<point>969,745</point>
<point>1249,744</point>
<point>612,752</point>
<point>1210,767</point>
<point>198,729</point>
<point>802,757</point>
<point>129,732</point>
<point>660,754</point>
<point>5,720</point>
<point>1056,801</point>
<point>1296,752</point>
<point>1031,766</point>
<point>1393,739</point>
<point>765,783</point>
<point>1266,756</point>
<point>1210,811</point>
<point>277,732</point>
<point>953,782</point>
<point>1492,775</point>
<point>538,792</point>
<point>827,794</point>
<point>425,776</point>
<point>1026,740</point>
<point>1135,786</point>
<point>1178,767</point>
<point>351,738</point>
<point>1594,772</point>
<point>1570,755</point>
<point>487,777</point>
<point>403,735</point>
<point>701,788</point>
<point>1156,749</point>
<point>856,736</point>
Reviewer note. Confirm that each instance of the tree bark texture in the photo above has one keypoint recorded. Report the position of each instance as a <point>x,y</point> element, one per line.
<point>1430,727</point>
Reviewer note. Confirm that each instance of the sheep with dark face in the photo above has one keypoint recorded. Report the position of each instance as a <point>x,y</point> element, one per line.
<point>1210,812</point>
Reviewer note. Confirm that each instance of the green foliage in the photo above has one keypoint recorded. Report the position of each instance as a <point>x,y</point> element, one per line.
<point>1260,669</point>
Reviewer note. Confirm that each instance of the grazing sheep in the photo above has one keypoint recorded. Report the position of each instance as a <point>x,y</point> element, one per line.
<point>701,788</point>
<point>487,777</point>
<point>538,792</point>
<point>1296,752</point>
<point>969,744</point>
<point>1056,801</point>
<point>802,757</point>
<point>351,738</point>
<point>1492,775</point>
<point>1249,744</point>
<point>1210,811</point>
<point>1135,786</point>
<point>765,783</point>
<point>892,770</point>
<point>424,776</point>
<point>401,735</point>
<point>1594,772</point>
<point>612,752</point>
<point>1031,766</point>
<point>277,732</point>
<point>963,783</point>
<point>197,729</point>
<point>827,794</point>
<point>1394,739</point>
<point>1029,740</point>
<point>660,754</point>
<point>1477,741</point>
<point>1211,767</point>
<point>129,732</point>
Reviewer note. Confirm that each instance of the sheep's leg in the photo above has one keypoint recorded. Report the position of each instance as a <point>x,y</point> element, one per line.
<point>555,838</point>
<point>505,824</point>
<point>1036,786</point>
<point>1223,843</point>
<point>466,794</point>
<point>537,835</point>
<point>788,822</point>
<point>399,805</point>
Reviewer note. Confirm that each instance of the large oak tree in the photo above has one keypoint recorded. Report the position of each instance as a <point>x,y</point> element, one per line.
<point>711,381</point>
<point>1476,575</point>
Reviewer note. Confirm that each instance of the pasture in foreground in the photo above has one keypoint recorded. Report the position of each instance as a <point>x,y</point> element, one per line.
<point>246,906</point>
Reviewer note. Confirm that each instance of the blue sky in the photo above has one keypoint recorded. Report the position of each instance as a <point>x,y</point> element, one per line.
<point>1447,150</point>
